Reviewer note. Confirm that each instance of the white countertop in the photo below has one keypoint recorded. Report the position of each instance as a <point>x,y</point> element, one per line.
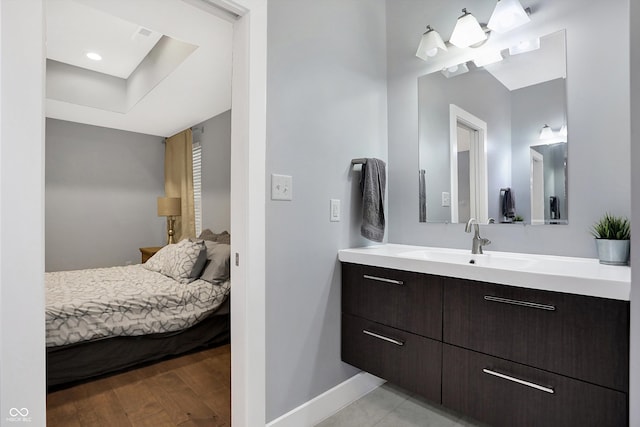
<point>582,276</point>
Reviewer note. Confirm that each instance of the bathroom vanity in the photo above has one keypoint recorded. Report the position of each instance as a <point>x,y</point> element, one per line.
<point>508,339</point>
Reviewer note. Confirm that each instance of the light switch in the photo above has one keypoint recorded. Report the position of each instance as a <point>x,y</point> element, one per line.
<point>334,211</point>
<point>281,187</point>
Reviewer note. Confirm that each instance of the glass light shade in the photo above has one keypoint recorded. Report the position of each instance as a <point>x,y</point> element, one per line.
<point>525,46</point>
<point>563,130</point>
<point>429,44</point>
<point>455,70</point>
<point>546,132</point>
<point>467,31</point>
<point>507,15</point>
<point>488,58</point>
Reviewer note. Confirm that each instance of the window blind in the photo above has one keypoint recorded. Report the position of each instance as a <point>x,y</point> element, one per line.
<point>197,185</point>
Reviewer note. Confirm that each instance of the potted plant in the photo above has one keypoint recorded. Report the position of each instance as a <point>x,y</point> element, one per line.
<point>613,234</point>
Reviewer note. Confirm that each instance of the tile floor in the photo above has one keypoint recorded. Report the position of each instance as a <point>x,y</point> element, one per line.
<point>389,406</point>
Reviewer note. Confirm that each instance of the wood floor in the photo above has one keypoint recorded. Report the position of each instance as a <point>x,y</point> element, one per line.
<point>192,390</point>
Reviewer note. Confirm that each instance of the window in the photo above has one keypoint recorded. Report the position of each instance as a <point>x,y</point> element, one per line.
<point>197,185</point>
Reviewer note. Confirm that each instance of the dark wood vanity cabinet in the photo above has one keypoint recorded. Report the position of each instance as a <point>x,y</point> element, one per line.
<point>389,297</point>
<point>505,355</point>
<point>582,337</point>
<point>392,326</point>
<point>502,393</point>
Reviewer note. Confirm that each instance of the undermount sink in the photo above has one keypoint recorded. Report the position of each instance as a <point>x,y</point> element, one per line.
<point>452,256</point>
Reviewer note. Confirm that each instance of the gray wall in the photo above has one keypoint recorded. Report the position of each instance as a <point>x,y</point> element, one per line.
<point>471,92</point>
<point>532,107</point>
<point>216,171</point>
<point>634,386</point>
<point>101,187</point>
<point>326,93</point>
<point>598,120</point>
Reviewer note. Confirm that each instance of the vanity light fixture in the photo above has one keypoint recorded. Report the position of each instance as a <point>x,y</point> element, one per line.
<point>525,46</point>
<point>429,44</point>
<point>507,15</point>
<point>467,31</point>
<point>487,58</point>
<point>455,70</point>
<point>546,132</point>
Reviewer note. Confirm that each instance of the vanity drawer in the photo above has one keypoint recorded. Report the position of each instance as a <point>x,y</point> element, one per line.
<point>582,337</point>
<point>405,300</point>
<point>408,360</point>
<point>509,394</point>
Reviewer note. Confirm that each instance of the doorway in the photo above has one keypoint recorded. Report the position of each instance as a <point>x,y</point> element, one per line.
<point>468,160</point>
<point>22,33</point>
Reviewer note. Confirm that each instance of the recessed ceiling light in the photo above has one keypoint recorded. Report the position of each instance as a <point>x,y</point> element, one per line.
<point>94,56</point>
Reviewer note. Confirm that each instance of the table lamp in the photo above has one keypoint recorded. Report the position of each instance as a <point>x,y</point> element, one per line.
<point>171,208</point>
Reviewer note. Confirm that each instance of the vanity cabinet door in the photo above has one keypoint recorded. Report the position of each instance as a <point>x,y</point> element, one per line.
<point>408,360</point>
<point>506,394</point>
<point>582,337</point>
<point>405,300</point>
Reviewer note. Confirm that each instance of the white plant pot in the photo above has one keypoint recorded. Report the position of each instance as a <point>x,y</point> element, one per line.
<point>613,252</point>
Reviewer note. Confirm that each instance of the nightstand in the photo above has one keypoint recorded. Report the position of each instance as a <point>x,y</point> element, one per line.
<point>149,252</point>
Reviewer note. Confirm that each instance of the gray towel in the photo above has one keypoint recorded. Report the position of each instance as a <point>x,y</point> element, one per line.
<point>422,196</point>
<point>372,184</point>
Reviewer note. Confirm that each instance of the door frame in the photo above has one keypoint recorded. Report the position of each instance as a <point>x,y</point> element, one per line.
<point>477,163</point>
<point>22,77</point>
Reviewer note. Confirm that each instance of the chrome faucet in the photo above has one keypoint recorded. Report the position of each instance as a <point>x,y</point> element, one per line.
<point>478,242</point>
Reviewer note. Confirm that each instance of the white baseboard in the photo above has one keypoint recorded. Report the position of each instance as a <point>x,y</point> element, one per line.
<point>328,403</point>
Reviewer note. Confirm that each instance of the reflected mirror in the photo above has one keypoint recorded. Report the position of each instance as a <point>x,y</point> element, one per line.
<point>493,139</point>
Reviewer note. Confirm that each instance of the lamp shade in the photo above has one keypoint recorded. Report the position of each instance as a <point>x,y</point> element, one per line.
<point>467,31</point>
<point>507,15</point>
<point>169,206</point>
<point>429,44</point>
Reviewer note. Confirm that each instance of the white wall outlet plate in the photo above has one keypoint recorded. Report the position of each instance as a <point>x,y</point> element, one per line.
<point>281,187</point>
<point>446,198</point>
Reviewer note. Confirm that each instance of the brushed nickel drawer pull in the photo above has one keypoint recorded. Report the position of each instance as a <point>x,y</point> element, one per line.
<point>519,381</point>
<point>522,303</point>
<point>382,337</point>
<point>382,279</point>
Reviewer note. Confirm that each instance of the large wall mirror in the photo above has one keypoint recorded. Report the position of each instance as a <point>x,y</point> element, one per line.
<point>493,139</point>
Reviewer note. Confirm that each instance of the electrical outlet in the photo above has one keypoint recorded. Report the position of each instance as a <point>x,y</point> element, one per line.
<point>281,187</point>
<point>334,211</point>
<point>446,199</point>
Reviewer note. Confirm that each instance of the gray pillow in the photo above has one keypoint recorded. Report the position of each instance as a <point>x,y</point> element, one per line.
<point>218,265</point>
<point>223,237</point>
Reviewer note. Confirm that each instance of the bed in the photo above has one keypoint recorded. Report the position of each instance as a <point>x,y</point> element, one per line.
<point>103,320</point>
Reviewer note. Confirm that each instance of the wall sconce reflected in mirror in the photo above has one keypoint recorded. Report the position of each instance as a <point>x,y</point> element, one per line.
<point>525,46</point>
<point>563,130</point>
<point>487,58</point>
<point>455,70</point>
<point>546,132</point>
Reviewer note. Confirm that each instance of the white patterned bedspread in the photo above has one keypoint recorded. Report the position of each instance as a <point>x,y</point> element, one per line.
<point>84,305</point>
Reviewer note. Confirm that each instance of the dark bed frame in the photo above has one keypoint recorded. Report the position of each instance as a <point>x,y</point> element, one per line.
<point>71,364</point>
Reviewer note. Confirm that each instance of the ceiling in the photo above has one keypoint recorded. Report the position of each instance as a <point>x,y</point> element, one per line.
<point>166,64</point>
